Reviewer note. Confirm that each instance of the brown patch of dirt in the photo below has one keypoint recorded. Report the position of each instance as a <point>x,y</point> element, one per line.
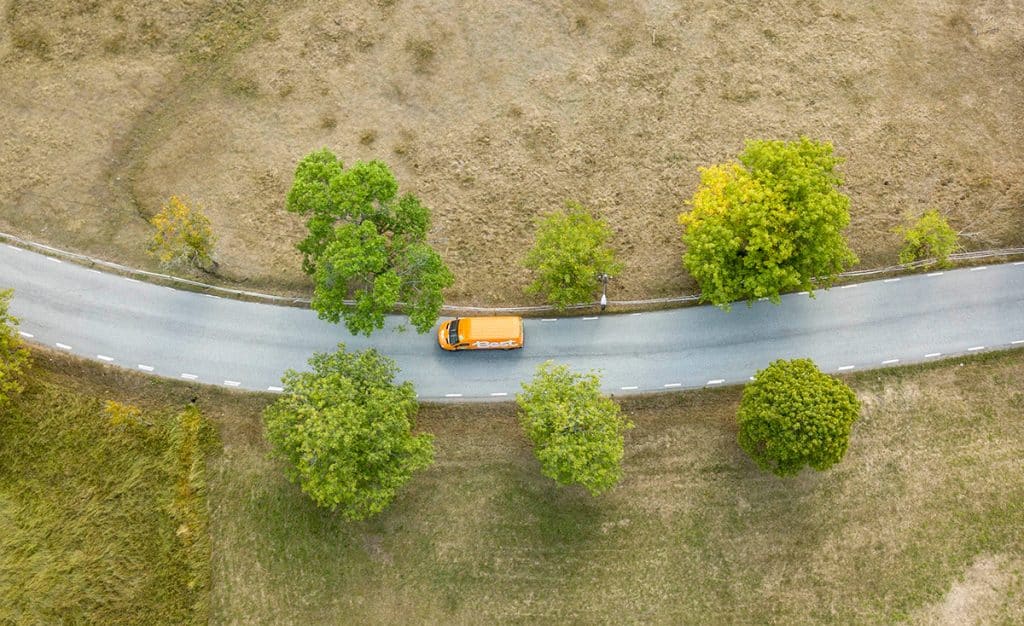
<point>497,114</point>
<point>975,598</point>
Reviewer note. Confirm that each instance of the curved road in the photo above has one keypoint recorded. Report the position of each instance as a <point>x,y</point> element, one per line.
<point>190,336</point>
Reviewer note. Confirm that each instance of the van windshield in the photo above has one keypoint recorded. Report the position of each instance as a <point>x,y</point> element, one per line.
<point>453,332</point>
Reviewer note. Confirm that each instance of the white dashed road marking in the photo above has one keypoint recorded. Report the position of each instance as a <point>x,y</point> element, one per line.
<point>848,286</point>
<point>635,314</point>
<point>212,296</point>
<point>1016,343</point>
<point>54,260</point>
<point>891,280</point>
<point>587,319</point>
<point>63,346</point>
<point>930,355</point>
<point>890,361</point>
<point>936,273</point>
<point>550,319</point>
<point>453,395</point>
<point>131,280</point>
<point>189,376</point>
<point>978,269</point>
<point>145,368</point>
<point>273,388</point>
<point>26,335</point>
<point>672,385</point>
<point>975,348</point>
<point>717,381</point>
<point>630,388</point>
<point>846,367</point>
<point>498,394</point>
<point>94,271</point>
<point>231,383</point>
<point>15,248</point>
<point>1019,263</point>
<point>104,357</point>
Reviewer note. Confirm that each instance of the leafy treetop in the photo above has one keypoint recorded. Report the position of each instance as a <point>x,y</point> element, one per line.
<point>569,255</point>
<point>769,223</point>
<point>14,358</point>
<point>366,248</point>
<point>793,415</point>
<point>577,431</point>
<point>344,431</point>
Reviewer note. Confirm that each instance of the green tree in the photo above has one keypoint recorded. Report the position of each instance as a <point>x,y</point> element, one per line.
<point>569,255</point>
<point>770,223</point>
<point>344,431</point>
<point>14,358</point>
<point>930,236</point>
<point>183,236</point>
<point>793,415</point>
<point>577,432</point>
<point>367,246</point>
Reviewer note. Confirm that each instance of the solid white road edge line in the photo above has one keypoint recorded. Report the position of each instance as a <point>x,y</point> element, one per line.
<point>63,346</point>
<point>104,357</point>
<point>15,248</point>
<point>145,368</point>
<point>54,260</point>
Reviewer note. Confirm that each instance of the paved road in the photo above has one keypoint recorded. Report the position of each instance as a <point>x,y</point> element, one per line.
<point>181,334</point>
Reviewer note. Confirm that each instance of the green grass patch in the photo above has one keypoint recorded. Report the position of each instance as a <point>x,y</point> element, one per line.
<point>103,510</point>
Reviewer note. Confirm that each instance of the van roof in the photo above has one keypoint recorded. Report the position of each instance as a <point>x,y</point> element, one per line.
<point>508,326</point>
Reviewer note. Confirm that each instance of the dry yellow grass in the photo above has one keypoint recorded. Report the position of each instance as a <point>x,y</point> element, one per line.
<point>495,114</point>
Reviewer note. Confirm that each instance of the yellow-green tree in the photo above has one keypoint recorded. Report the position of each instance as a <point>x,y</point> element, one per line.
<point>14,357</point>
<point>183,235</point>
<point>930,236</point>
<point>768,224</point>
<point>793,415</point>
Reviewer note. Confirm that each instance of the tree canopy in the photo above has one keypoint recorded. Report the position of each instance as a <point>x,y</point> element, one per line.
<point>183,235</point>
<point>366,248</point>
<point>14,358</point>
<point>770,223</point>
<point>930,236</point>
<point>569,255</point>
<point>793,415</point>
<point>344,430</point>
<point>577,431</point>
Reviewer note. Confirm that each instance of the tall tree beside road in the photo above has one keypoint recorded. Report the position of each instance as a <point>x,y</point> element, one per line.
<point>793,415</point>
<point>770,223</point>
<point>570,255</point>
<point>366,245</point>
<point>344,431</point>
<point>14,358</point>
<point>183,236</point>
<point>577,431</point>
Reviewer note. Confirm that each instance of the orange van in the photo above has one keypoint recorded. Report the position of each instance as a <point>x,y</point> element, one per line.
<point>481,333</point>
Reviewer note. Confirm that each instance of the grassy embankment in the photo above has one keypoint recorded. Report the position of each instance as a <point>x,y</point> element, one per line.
<point>922,520</point>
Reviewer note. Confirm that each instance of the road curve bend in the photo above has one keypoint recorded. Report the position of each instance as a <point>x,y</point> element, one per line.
<point>190,336</point>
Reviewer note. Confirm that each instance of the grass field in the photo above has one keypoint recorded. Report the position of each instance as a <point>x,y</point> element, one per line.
<point>101,523</point>
<point>922,521</point>
<point>494,115</point>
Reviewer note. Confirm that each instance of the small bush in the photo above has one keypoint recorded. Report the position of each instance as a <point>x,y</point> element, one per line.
<point>930,236</point>
<point>14,358</point>
<point>183,235</point>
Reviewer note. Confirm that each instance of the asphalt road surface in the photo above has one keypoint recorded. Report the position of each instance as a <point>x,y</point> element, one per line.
<point>184,335</point>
